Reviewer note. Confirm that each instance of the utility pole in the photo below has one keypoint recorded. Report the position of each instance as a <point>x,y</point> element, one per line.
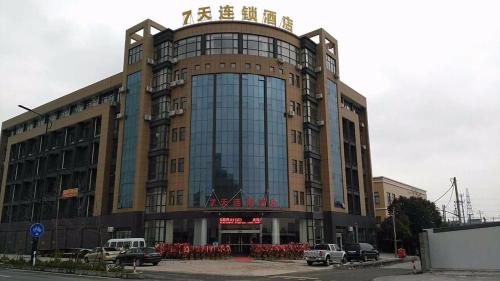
<point>459,212</point>
<point>394,230</point>
<point>462,206</point>
<point>444,212</point>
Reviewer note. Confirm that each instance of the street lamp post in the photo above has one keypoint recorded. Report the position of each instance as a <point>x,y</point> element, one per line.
<point>48,125</point>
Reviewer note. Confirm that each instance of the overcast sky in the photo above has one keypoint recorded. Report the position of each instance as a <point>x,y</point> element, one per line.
<point>430,71</point>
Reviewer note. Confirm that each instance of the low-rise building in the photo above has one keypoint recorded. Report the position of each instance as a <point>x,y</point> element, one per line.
<point>385,190</point>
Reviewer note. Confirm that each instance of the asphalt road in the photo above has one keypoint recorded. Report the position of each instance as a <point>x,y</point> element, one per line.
<point>364,274</point>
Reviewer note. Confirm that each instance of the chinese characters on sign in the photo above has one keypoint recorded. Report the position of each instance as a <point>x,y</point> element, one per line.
<point>240,221</point>
<point>227,12</point>
<point>237,202</point>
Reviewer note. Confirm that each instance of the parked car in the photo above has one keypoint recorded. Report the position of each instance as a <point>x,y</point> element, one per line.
<point>139,255</point>
<point>325,253</point>
<point>104,254</point>
<point>125,243</point>
<point>360,252</point>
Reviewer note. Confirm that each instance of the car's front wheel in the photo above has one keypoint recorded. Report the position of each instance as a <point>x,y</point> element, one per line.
<point>309,263</point>
<point>364,258</point>
<point>344,260</point>
<point>138,262</point>
<point>376,257</point>
<point>86,260</point>
<point>155,263</point>
<point>327,261</point>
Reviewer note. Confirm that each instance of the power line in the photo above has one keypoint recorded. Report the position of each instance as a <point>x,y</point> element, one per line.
<point>444,193</point>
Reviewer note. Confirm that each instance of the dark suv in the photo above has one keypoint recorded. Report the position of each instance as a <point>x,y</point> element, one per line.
<point>360,252</point>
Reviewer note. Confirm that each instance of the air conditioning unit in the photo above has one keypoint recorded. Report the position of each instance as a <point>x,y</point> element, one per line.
<point>291,113</point>
<point>173,84</point>
<point>180,82</point>
<point>171,113</point>
<point>147,117</point>
<point>318,69</point>
<point>121,90</point>
<point>319,95</point>
<point>280,61</point>
<point>151,61</point>
<point>119,116</point>
<point>363,146</point>
<point>179,111</point>
<point>113,103</point>
<point>320,122</point>
<point>173,60</point>
<point>299,66</point>
<point>362,124</point>
<point>149,89</point>
<point>110,229</point>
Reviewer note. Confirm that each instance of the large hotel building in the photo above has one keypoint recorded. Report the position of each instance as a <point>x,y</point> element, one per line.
<point>226,131</point>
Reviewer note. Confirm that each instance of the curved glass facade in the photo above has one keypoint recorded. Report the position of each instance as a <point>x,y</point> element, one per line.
<point>238,153</point>
<point>334,136</point>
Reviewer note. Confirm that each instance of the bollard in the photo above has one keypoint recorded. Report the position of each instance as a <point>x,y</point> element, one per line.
<point>134,266</point>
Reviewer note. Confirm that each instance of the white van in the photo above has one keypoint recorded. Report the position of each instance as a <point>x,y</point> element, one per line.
<point>125,243</point>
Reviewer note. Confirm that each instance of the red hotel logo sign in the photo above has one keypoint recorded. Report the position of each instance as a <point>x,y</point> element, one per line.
<point>239,221</point>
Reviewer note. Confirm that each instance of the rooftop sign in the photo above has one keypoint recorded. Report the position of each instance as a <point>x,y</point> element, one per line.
<point>227,12</point>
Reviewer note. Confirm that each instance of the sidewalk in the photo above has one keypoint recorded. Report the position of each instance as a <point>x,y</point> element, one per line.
<point>445,276</point>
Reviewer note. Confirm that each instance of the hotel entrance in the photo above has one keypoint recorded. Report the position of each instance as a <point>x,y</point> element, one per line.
<point>240,233</point>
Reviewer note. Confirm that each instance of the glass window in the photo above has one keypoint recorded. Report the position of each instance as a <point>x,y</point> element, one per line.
<point>313,170</point>
<point>299,137</point>
<point>159,137</point>
<point>222,43</point>
<point>301,167</point>
<point>154,232</point>
<point>161,79</point>
<point>376,198</point>
<point>189,47</point>
<point>174,135</point>
<point>180,165</point>
<point>173,165</point>
<point>308,58</point>
<point>310,112</point>
<point>258,45</point>
<point>302,198</point>
<point>156,200</point>
<point>296,197</point>
<point>312,140</point>
<point>330,64</point>
<point>201,131</point>
<point>125,197</point>
<point>308,85</point>
<point>160,107</point>
<point>157,167</point>
<point>163,52</point>
<point>182,133</point>
<point>180,197</point>
<point>287,52</point>
<point>294,136</point>
<point>171,198</point>
<point>135,54</point>
<point>295,166</point>
<point>184,73</point>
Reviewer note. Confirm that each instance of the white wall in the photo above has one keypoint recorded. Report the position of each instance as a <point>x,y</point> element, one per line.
<point>469,249</point>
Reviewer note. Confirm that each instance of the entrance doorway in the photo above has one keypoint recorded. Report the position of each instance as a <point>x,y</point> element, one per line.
<point>240,240</point>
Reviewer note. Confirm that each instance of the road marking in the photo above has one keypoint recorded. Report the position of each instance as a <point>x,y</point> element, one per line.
<point>293,277</point>
<point>6,276</point>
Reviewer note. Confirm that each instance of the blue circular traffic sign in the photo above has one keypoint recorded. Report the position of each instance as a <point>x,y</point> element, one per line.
<point>37,229</point>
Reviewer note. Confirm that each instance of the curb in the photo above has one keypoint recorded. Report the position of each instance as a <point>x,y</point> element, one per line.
<point>79,272</point>
<point>379,263</point>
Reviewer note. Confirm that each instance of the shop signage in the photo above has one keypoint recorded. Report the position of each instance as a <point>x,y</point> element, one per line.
<point>68,193</point>
<point>248,13</point>
<point>240,220</point>
<point>248,202</point>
